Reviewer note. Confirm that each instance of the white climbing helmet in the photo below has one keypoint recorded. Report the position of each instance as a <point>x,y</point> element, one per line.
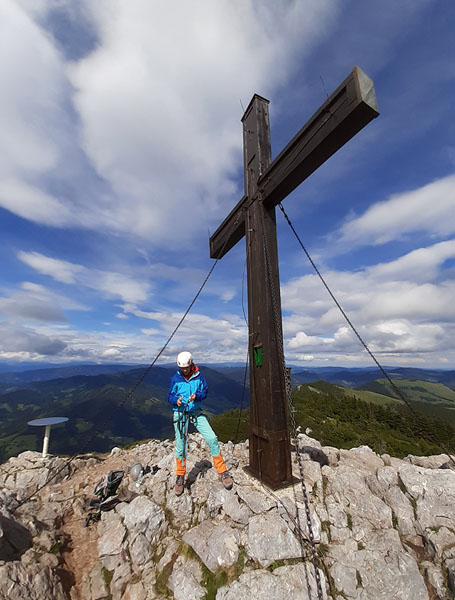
<point>184,359</point>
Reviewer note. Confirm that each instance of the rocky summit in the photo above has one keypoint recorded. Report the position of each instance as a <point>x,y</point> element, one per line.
<point>383,528</point>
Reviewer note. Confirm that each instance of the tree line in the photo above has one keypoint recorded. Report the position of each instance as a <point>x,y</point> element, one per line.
<point>346,421</point>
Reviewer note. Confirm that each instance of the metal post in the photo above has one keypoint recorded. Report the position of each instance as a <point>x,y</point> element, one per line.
<point>47,433</point>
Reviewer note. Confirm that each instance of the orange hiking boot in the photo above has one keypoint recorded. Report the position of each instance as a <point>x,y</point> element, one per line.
<point>226,480</point>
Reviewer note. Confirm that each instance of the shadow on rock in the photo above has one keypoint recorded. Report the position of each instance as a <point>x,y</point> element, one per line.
<point>15,539</point>
<point>199,470</point>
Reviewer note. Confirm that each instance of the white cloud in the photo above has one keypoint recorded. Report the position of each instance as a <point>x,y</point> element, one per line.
<point>22,306</point>
<point>111,353</point>
<point>158,107</point>
<point>24,341</point>
<point>59,270</point>
<point>430,209</point>
<point>419,266</point>
<point>36,303</point>
<point>31,203</point>
<point>142,137</point>
<point>302,340</point>
<point>426,301</point>
<point>210,340</point>
<point>305,357</point>
<point>394,307</point>
<point>31,107</point>
<point>110,284</point>
<point>401,335</point>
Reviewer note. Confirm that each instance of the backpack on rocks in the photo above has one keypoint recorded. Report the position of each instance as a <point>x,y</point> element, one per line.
<point>106,499</point>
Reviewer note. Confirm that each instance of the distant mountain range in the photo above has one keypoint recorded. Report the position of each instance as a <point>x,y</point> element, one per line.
<point>353,378</point>
<point>102,412</point>
<point>348,377</point>
<point>53,372</point>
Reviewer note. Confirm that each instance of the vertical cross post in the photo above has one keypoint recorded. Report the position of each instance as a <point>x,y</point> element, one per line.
<point>269,448</point>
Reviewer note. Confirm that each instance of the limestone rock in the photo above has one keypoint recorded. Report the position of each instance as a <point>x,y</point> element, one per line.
<point>185,580</point>
<point>294,513</point>
<point>34,582</point>
<point>181,508</point>
<point>436,579</point>
<point>143,515</point>
<point>111,535</point>
<point>305,440</point>
<point>270,539</point>
<point>362,458</point>
<point>220,498</point>
<point>95,586</point>
<point>428,462</point>
<point>296,581</point>
<point>383,570</point>
<point>433,492</point>
<point>382,526</point>
<point>256,500</point>
<point>29,471</point>
<point>352,509</point>
<point>215,544</point>
<point>137,591</point>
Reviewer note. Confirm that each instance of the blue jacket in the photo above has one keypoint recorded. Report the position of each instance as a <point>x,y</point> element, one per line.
<point>180,386</point>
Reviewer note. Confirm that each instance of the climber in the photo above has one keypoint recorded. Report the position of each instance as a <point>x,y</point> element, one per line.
<point>187,390</point>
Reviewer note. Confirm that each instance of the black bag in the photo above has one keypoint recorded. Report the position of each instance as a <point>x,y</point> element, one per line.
<point>108,484</point>
<point>105,489</point>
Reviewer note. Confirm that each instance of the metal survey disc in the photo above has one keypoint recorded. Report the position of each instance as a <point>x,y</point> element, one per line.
<point>48,421</point>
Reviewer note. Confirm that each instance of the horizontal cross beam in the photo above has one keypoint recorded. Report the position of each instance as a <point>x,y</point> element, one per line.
<point>351,106</point>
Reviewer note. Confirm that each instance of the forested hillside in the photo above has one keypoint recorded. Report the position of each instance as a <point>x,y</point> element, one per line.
<point>431,399</point>
<point>337,417</point>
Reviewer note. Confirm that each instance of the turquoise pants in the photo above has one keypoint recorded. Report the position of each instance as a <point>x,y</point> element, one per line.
<point>202,425</point>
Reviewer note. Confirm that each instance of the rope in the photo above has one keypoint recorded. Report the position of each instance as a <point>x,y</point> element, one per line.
<point>397,391</point>
<point>279,338</point>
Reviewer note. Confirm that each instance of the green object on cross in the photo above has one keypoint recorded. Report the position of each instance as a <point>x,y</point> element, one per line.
<point>258,356</point>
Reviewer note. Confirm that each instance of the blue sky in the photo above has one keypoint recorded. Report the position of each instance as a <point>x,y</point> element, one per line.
<point>121,149</point>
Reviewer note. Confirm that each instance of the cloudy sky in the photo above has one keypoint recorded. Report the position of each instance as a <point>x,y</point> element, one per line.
<point>121,147</point>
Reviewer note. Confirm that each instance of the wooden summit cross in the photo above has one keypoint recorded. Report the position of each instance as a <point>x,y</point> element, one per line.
<point>345,113</point>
